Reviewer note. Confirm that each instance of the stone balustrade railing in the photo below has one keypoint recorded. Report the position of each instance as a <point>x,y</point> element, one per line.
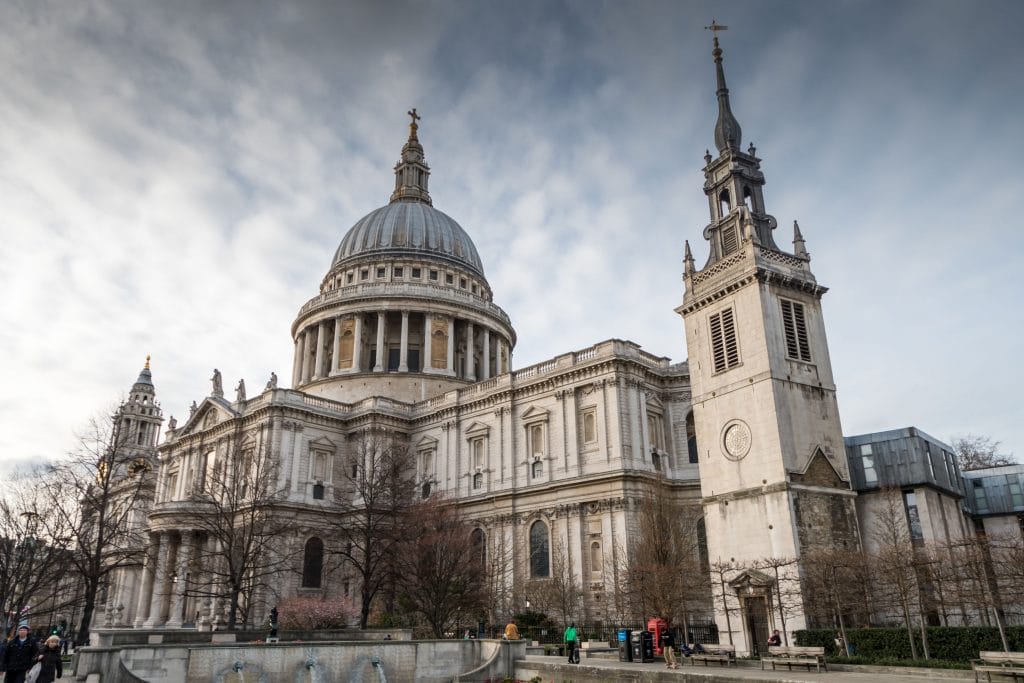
<point>412,290</point>
<point>607,349</point>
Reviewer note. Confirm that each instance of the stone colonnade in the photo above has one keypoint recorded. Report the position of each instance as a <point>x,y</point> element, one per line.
<point>173,566</point>
<point>352,343</point>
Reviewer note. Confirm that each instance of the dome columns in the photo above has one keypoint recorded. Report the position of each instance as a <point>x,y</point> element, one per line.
<point>404,341</point>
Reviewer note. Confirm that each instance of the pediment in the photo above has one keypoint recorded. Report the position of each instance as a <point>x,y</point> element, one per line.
<point>534,414</point>
<point>752,578</point>
<point>819,471</point>
<point>322,443</point>
<point>427,443</point>
<point>477,430</point>
<point>210,413</point>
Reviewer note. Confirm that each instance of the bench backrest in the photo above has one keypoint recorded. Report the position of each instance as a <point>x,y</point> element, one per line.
<point>715,649</point>
<point>795,650</point>
<point>1015,658</point>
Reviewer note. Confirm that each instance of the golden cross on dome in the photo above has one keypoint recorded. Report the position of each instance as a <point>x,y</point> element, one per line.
<point>415,117</point>
<point>147,361</point>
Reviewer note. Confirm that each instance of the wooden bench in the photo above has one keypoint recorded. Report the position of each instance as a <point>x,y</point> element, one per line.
<point>803,656</point>
<point>723,654</point>
<point>999,663</point>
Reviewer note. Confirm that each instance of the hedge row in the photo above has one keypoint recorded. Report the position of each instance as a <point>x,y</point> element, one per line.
<point>960,643</point>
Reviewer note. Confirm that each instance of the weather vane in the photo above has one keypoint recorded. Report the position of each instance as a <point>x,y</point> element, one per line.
<point>714,28</point>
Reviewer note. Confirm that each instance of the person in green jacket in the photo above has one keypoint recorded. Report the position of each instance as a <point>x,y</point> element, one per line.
<point>572,644</point>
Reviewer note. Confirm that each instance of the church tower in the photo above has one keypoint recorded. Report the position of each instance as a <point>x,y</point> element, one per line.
<point>774,481</point>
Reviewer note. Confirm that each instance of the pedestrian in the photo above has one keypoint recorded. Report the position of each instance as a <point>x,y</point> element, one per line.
<point>668,643</point>
<point>511,630</point>
<point>775,639</point>
<point>52,666</point>
<point>572,644</point>
<point>21,654</point>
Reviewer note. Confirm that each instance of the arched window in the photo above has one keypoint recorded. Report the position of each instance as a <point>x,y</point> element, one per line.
<point>702,543</point>
<point>425,492</point>
<point>478,542</point>
<point>748,199</point>
<point>540,553</point>
<point>595,557</point>
<point>537,469</point>
<point>313,563</point>
<point>478,480</point>
<point>724,204</point>
<point>691,437</point>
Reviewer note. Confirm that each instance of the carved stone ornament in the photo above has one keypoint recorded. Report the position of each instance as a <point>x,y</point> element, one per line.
<point>736,440</point>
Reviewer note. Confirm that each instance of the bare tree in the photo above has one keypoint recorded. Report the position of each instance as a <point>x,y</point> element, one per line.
<point>499,580</point>
<point>368,518</point>
<point>235,494</point>
<point>896,565</point>
<point>98,495</point>
<point>666,559</point>
<point>32,561</point>
<point>442,573</point>
<point>560,595</point>
<point>977,559</point>
<point>838,584</point>
<point>725,600</point>
<point>976,452</point>
<point>786,594</point>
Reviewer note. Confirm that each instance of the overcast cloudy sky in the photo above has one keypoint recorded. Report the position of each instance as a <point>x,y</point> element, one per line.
<point>174,179</point>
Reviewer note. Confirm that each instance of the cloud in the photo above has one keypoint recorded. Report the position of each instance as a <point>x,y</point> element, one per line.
<point>176,179</point>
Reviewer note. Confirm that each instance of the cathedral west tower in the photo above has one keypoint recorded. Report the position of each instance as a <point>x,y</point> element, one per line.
<point>774,480</point>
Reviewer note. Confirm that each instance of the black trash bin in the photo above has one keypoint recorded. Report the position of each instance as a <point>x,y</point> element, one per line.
<point>642,643</point>
<point>625,646</point>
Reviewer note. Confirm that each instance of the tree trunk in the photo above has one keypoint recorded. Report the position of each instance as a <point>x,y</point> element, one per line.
<point>910,629</point>
<point>233,611</point>
<point>82,637</point>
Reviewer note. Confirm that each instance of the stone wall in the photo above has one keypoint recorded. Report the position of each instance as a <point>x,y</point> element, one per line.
<point>431,661</point>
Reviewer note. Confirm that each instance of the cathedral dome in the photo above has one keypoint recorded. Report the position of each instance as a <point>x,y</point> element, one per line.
<point>409,228</point>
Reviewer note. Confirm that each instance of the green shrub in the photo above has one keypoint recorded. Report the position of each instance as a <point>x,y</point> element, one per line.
<point>952,644</point>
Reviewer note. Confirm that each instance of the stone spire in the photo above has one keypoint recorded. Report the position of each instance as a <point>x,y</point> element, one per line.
<point>688,260</point>
<point>799,248</point>
<point>727,129</point>
<point>411,171</point>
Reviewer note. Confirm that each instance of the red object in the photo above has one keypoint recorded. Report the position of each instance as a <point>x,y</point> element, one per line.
<point>657,627</point>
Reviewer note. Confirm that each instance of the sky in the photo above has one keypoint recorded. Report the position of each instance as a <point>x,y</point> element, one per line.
<point>175,178</point>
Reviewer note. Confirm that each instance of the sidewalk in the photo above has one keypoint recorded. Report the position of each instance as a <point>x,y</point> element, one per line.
<point>594,670</point>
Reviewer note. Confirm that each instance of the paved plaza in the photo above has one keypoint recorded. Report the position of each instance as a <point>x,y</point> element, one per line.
<point>551,668</point>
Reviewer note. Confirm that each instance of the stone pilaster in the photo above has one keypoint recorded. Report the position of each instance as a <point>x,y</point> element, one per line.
<point>470,368</point>
<point>381,351</point>
<point>486,374</point>
<point>180,585</point>
<point>403,354</point>
<point>336,356</point>
<point>158,602</point>
<point>148,567</point>
<point>318,366</point>
<point>425,361</point>
<point>357,345</point>
<point>451,346</point>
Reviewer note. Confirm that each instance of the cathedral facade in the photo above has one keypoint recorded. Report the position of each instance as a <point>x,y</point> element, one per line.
<point>550,462</point>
